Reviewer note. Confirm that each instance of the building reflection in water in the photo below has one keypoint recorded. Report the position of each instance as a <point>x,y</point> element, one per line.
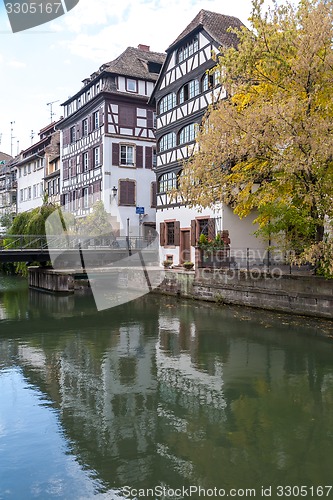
<point>162,392</point>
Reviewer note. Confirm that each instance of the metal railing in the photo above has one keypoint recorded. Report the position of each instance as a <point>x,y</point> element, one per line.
<point>249,259</point>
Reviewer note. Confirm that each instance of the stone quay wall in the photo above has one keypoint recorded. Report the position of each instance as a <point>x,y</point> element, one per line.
<point>296,294</point>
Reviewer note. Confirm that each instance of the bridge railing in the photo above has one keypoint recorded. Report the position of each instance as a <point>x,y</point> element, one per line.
<point>66,242</point>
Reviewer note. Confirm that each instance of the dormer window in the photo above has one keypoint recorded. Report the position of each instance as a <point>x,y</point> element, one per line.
<point>131,85</point>
<point>188,49</point>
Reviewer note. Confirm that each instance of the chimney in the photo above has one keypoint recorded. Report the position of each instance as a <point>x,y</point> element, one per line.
<point>146,48</point>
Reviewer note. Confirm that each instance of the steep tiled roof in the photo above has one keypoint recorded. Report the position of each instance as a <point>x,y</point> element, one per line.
<point>216,25</point>
<point>136,63</point>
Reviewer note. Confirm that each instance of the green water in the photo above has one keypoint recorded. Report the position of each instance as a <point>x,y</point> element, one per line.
<point>158,398</point>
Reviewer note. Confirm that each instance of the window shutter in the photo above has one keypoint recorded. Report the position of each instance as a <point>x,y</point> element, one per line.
<point>122,193</point>
<point>139,156</point>
<point>211,229</point>
<point>90,123</point>
<point>127,116</point>
<point>62,200</point>
<point>153,194</point>
<point>193,233</point>
<point>78,131</point>
<point>91,159</point>
<point>101,154</point>
<point>162,234</point>
<point>65,137</point>
<point>115,153</point>
<point>177,233</point>
<point>101,115</point>
<point>150,119</point>
<point>149,157</point>
<point>65,169</point>
<point>131,192</point>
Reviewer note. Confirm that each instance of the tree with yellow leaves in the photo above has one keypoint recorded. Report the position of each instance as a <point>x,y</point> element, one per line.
<point>269,145</point>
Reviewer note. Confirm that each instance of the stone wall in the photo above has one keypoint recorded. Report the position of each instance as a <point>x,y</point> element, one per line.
<point>306,295</point>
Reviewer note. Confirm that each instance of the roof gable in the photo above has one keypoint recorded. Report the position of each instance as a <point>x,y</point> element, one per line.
<point>216,25</point>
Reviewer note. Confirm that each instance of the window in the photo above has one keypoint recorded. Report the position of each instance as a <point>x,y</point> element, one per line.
<point>167,182</point>
<point>41,162</point>
<point>29,193</point>
<point>154,158</point>
<point>127,155</point>
<point>96,120</point>
<point>188,133</point>
<point>85,161</point>
<point>41,189</point>
<point>86,197</point>
<point>85,127</point>
<point>167,141</point>
<point>25,170</point>
<point>167,102</point>
<point>131,85</point>
<point>127,192</point>
<point>188,49</point>
<point>29,168</point>
<point>96,157</point>
<point>189,90</point>
<point>35,190</point>
<point>210,81</point>
<point>72,133</point>
<point>170,233</point>
<point>21,194</point>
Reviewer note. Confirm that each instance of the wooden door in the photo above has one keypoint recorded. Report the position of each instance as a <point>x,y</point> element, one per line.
<point>185,246</point>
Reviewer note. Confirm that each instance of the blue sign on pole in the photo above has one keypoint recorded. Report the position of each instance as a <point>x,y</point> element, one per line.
<point>140,210</point>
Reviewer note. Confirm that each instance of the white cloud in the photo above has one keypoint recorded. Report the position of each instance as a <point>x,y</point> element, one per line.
<point>17,64</point>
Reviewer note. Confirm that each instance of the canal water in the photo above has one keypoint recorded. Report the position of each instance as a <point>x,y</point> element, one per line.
<point>161,398</point>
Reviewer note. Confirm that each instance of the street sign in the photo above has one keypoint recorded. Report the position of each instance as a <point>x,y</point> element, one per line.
<point>140,210</point>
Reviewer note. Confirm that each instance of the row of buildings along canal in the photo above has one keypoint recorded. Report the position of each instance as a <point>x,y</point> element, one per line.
<point>123,139</point>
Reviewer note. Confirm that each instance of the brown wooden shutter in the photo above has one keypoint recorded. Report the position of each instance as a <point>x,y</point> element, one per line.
<point>78,131</point>
<point>127,193</point>
<point>153,203</point>
<point>139,156</point>
<point>150,119</point>
<point>149,157</point>
<point>162,234</point>
<point>101,154</point>
<point>211,229</point>
<point>101,116</point>
<point>65,137</point>
<point>65,169</point>
<point>90,123</point>
<point>131,192</point>
<point>177,233</point>
<point>115,154</point>
<point>127,116</point>
<point>193,233</point>
<point>91,159</point>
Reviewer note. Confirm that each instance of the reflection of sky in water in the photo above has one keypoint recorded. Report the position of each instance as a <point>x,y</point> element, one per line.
<point>28,421</point>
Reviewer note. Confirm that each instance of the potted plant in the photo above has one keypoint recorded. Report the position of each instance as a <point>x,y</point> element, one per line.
<point>188,265</point>
<point>167,264</point>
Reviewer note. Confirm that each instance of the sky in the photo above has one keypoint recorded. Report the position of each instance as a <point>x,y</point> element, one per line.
<point>47,64</point>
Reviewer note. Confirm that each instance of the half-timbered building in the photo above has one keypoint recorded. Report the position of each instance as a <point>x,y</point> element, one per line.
<point>183,92</point>
<point>108,142</point>
<point>33,167</point>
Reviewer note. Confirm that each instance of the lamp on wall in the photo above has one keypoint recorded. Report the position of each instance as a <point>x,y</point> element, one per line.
<point>114,191</point>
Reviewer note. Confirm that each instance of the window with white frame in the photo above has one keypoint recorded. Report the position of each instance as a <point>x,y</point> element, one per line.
<point>188,133</point>
<point>35,190</point>
<point>85,161</point>
<point>86,197</point>
<point>21,195</point>
<point>96,120</point>
<point>167,141</point>
<point>131,85</point>
<point>189,90</point>
<point>188,49</point>
<point>85,127</point>
<point>96,156</point>
<point>167,102</point>
<point>127,155</point>
<point>72,132</point>
<point>167,182</point>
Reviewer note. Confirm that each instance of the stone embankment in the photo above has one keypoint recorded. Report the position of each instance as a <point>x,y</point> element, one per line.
<point>297,294</point>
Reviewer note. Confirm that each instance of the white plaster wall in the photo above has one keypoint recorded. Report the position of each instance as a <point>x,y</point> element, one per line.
<point>26,181</point>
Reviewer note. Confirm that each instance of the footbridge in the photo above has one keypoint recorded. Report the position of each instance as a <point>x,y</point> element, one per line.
<point>72,250</point>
